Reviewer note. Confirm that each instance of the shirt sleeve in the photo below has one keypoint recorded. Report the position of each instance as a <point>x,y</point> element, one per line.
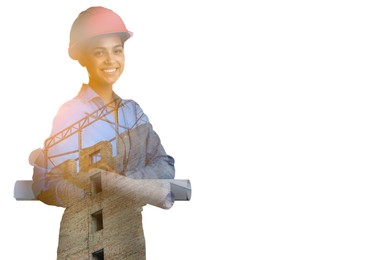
<point>158,164</point>
<point>54,188</point>
<point>152,162</point>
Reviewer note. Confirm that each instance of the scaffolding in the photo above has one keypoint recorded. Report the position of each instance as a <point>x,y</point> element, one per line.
<point>77,128</point>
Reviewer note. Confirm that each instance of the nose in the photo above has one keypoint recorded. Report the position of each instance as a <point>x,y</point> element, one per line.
<point>109,58</point>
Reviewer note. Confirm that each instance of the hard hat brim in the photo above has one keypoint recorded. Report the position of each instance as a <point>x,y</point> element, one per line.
<point>76,50</point>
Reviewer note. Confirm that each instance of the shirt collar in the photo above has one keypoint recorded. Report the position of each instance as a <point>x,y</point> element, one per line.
<point>87,94</point>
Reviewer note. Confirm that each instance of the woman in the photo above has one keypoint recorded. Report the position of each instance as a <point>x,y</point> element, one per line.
<point>97,114</point>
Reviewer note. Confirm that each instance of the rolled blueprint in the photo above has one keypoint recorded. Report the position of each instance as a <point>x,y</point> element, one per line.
<point>161,193</point>
<point>23,190</point>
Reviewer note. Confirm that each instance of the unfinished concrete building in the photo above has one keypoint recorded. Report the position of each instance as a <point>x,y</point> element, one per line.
<point>107,223</point>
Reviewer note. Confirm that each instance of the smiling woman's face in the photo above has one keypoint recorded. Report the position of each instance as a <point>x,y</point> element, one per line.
<point>104,59</point>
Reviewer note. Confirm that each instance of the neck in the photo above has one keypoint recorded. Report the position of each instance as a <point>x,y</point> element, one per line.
<point>105,92</point>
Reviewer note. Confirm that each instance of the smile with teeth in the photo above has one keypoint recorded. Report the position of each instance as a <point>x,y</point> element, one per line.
<point>109,70</point>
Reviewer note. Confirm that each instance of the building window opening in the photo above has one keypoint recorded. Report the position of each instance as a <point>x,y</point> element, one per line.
<point>95,157</point>
<point>97,221</point>
<point>98,255</point>
<point>96,184</point>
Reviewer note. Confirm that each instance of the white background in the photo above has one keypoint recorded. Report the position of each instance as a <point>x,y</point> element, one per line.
<point>277,111</point>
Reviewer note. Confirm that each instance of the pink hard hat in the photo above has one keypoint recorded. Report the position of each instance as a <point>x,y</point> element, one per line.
<point>95,21</point>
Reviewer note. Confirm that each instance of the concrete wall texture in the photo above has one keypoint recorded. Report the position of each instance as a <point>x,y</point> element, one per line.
<point>106,222</point>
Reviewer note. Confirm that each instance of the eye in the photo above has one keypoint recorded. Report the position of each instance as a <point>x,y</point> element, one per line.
<point>97,53</point>
<point>118,51</point>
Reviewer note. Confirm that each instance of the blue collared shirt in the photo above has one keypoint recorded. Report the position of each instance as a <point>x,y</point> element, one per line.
<point>130,116</point>
<point>143,155</point>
